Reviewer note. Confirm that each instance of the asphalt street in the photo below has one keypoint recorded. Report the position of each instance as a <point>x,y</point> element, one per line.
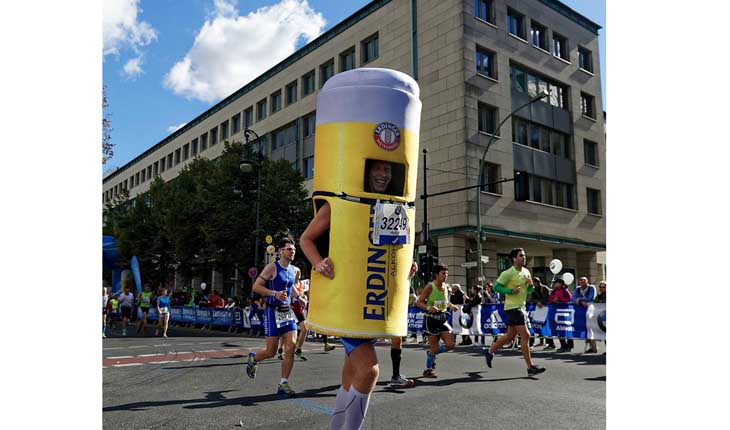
<point>197,381</point>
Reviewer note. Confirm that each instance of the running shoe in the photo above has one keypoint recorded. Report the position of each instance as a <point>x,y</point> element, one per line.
<point>549,348</point>
<point>164,335</point>
<point>430,373</point>
<point>251,366</point>
<point>279,354</point>
<point>534,370</point>
<point>402,382</point>
<point>285,390</point>
<point>563,350</point>
<point>328,347</point>
<point>489,356</point>
<point>299,354</point>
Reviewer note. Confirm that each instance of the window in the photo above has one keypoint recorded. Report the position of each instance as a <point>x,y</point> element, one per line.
<point>560,46</point>
<point>224,130</point>
<point>213,136</point>
<point>538,35</point>
<point>308,83</point>
<point>487,118</point>
<point>590,149</point>
<point>144,176</point>
<point>486,64</point>
<point>163,165</point>
<point>594,201</point>
<point>326,71</point>
<point>587,105</point>
<point>136,178</point>
<point>131,182</point>
<point>490,175</point>
<point>585,59</point>
<point>369,49</point>
<point>308,163</point>
<point>177,156</point>
<point>124,187</point>
<point>149,172</point>
<point>483,10</point>
<point>309,125</point>
<point>194,146</point>
<point>276,102</point>
<point>203,142</point>
<point>186,151</point>
<point>519,131</point>
<point>169,160</point>
<point>284,136</point>
<point>155,169</point>
<point>523,81</point>
<point>518,79</point>
<point>347,60</point>
<point>261,110</point>
<point>551,192</point>
<point>248,117</point>
<point>291,93</point>
<point>235,124</point>
<point>540,137</point>
<point>516,23</point>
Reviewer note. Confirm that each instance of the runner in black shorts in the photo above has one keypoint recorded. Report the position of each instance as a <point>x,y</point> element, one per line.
<point>434,300</point>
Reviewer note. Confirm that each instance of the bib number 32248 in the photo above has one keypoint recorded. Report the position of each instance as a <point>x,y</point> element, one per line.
<point>391,225</point>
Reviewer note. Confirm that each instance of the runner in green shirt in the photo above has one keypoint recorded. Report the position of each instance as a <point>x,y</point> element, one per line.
<point>144,300</point>
<point>515,283</point>
<point>434,301</point>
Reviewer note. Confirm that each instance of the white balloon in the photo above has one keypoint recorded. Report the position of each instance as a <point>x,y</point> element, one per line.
<point>203,286</point>
<point>556,266</point>
<point>568,278</point>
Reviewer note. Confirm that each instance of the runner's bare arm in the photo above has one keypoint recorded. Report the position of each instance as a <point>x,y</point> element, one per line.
<point>421,302</point>
<point>259,286</point>
<point>317,227</point>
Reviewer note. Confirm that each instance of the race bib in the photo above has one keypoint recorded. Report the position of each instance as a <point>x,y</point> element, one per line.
<point>391,226</point>
<point>283,318</point>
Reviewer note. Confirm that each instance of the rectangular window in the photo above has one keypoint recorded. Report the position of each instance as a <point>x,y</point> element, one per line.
<point>308,170</point>
<point>186,151</point>
<point>516,23</point>
<point>594,201</point>
<point>203,142</point>
<point>308,83</point>
<point>347,60</point>
<point>149,172</point>
<point>590,149</point>
<point>163,164</point>
<point>224,130</point>
<point>518,79</point>
<point>534,84</point>
<point>261,110</point>
<point>284,136</point>
<point>551,192</point>
<point>213,136</point>
<point>144,175</point>
<point>585,59</point>
<point>560,47</point>
<point>235,124</point>
<point>486,64</point>
<point>194,146</point>
<point>291,93</point>
<point>483,10</point>
<point>169,160</point>
<point>124,187</point>
<point>491,174</point>
<point>155,169</point>
<point>276,102</point>
<point>538,35</point>
<point>248,118</point>
<point>534,136</point>
<point>131,182</point>
<point>326,71</point>
<point>309,125</point>
<point>487,118</point>
<point>587,105</point>
<point>177,156</point>
<point>519,131</point>
<point>369,49</point>
<point>136,178</point>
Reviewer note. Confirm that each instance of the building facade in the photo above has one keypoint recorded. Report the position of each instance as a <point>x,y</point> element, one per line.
<point>475,62</point>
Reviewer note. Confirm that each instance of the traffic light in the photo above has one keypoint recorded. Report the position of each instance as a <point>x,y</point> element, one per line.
<point>422,265</point>
<point>522,186</point>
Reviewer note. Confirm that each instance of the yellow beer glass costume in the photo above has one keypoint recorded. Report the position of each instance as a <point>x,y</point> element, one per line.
<point>364,115</point>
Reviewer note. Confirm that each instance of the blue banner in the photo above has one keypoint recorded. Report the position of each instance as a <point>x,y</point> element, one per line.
<point>134,264</point>
<point>203,316</point>
<point>187,315</point>
<point>415,320</point>
<point>116,281</point>
<point>221,317</point>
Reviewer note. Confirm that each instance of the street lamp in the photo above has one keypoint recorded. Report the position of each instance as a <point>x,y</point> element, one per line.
<point>246,166</point>
<point>479,180</point>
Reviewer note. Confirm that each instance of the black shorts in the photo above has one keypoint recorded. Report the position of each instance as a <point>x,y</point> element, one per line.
<point>435,326</point>
<point>145,310</point>
<point>126,312</point>
<point>515,317</point>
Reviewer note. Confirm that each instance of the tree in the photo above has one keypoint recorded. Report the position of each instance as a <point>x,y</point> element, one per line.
<point>107,147</point>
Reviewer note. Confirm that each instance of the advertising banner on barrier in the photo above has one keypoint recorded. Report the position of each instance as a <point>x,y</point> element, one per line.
<point>238,318</point>
<point>415,320</point>
<point>203,316</point>
<point>220,317</point>
<point>188,315</point>
<point>256,318</point>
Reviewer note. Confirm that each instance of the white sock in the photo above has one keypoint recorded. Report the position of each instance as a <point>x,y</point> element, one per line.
<point>338,414</point>
<point>357,407</point>
<point>284,381</point>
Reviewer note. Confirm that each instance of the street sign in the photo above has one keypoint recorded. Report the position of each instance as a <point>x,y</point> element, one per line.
<point>485,259</point>
<point>269,239</point>
<point>469,264</point>
<point>422,249</point>
<point>270,249</point>
<point>253,273</point>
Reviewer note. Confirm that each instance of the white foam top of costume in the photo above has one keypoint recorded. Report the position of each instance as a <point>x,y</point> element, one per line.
<point>370,95</point>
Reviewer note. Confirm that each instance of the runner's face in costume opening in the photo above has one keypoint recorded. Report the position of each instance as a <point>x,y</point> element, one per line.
<point>379,177</point>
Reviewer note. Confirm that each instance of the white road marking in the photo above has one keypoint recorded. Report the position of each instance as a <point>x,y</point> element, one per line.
<point>149,355</point>
<point>210,350</point>
<point>125,365</point>
<point>121,356</point>
<point>119,347</point>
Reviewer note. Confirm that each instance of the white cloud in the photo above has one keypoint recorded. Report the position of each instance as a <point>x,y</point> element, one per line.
<point>121,28</point>
<point>133,68</point>
<point>174,128</point>
<point>231,50</point>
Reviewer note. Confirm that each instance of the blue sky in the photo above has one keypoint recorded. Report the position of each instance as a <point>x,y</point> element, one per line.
<point>162,58</point>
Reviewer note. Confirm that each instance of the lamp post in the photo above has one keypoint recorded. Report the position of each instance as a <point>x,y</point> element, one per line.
<point>246,167</point>
<point>479,181</point>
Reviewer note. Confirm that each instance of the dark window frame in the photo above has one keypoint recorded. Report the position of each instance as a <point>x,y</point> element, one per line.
<point>516,23</point>
<point>593,201</point>
<point>488,11</point>
<point>482,52</point>
<point>366,56</point>
<point>261,110</point>
<point>482,123</point>
<point>236,123</point>
<point>348,53</point>
<point>323,68</point>
<point>248,117</point>
<point>590,153</point>
<point>542,36</point>
<point>291,91</point>
<point>585,59</point>
<point>561,49</point>
<point>587,105</point>
<point>276,101</point>
<point>308,78</point>
<point>491,172</point>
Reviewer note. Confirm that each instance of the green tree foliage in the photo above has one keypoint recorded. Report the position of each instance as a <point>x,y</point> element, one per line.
<point>206,216</point>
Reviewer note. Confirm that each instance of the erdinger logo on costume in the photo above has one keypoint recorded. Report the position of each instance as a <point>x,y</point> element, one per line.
<point>387,136</point>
